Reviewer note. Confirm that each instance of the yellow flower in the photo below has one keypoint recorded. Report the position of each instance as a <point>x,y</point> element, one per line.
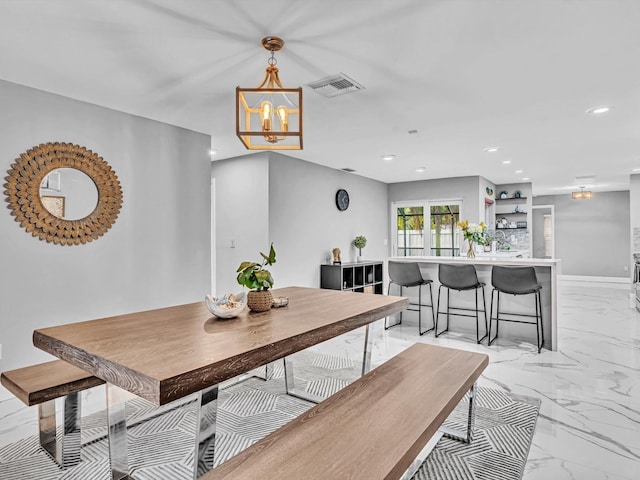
<point>463,224</point>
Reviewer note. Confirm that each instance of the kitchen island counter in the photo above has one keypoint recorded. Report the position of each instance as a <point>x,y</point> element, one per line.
<point>547,271</point>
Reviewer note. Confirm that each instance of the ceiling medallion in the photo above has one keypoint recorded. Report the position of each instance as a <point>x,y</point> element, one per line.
<point>269,117</point>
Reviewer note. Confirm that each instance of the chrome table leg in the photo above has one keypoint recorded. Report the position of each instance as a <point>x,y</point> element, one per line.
<point>207,409</point>
<point>289,379</point>
<point>290,385</point>
<point>117,420</point>
<point>62,442</point>
<point>464,436</point>
<point>369,330</point>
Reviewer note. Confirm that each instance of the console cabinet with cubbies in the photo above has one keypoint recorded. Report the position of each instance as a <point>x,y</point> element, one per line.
<point>363,277</point>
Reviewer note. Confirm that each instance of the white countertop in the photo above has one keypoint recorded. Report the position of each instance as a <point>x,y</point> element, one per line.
<point>485,259</point>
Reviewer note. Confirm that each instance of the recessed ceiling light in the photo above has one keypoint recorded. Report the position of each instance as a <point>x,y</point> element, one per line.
<point>525,179</point>
<point>491,149</point>
<point>506,162</point>
<point>519,171</point>
<point>599,110</point>
<point>421,169</point>
<point>388,157</point>
<point>212,151</point>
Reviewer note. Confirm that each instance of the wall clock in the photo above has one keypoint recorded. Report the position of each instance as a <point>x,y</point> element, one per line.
<point>342,199</point>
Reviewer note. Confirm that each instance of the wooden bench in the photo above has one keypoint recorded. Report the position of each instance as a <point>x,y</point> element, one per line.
<point>41,385</point>
<point>375,428</point>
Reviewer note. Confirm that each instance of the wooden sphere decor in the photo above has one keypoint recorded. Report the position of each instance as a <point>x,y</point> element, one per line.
<point>22,192</point>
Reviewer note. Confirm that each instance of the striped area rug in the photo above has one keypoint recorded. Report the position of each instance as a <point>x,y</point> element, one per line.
<point>161,447</point>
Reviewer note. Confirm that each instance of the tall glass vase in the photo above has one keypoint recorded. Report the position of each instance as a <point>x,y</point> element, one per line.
<point>471,252</point>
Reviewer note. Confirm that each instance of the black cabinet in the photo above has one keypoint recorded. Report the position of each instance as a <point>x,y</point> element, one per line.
<point>365,277</point>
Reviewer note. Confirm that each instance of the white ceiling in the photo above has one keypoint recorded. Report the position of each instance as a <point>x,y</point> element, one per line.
<point>467,74</point>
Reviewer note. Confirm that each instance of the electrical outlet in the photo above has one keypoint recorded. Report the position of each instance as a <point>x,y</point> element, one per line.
<point>626,268</point>
<point>233,244</point>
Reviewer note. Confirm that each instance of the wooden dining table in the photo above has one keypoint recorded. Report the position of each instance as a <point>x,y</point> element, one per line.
<point>166,354</point>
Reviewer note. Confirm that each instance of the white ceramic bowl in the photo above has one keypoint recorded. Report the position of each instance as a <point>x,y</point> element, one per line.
<point>220,306</point>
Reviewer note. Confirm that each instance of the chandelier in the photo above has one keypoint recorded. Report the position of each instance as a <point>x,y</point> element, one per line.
<point>582,194</point>
<point>269,117</point>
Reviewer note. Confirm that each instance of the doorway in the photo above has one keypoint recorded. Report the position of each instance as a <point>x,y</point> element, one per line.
<point>542,231</point>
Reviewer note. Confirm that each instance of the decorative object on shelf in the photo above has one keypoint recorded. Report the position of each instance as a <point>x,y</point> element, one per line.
<point>473,233</point>
<point>517,194</point>
<point>280,302</point>
<point>517,209</point>
<point>359,242</point>
<point>504,194</point>
<point>336,256</point>
<point>35,168</point>
<point>269,117</point>
<point>582,195</point>
<point>229,306</point>
<point>489,191</point>
<point>255,277</point>
<point>342,199</point>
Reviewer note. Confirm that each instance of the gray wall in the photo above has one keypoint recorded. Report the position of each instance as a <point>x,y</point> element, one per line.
<point>634,214</point>
<point>268,197</point>
<point>241,216</point>
<point>156,254</point>
<point>592,236</point>
<point>466,188</point>
<point>305,224</point>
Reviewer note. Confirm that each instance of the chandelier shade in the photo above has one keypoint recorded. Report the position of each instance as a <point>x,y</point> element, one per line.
<point>269,116</point>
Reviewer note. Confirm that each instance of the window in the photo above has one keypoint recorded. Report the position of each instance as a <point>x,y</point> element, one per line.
<point>410,228</point>
<point>411,237</point>
<point>445,233</point>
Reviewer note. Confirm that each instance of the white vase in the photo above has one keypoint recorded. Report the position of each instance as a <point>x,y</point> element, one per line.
<point>358,258</point>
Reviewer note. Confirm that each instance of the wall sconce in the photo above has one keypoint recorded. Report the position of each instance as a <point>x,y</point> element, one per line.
<point>269,117</point>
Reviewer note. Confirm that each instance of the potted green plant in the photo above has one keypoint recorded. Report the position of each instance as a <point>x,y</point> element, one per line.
<point>359,242</point>
<point>258,280</point>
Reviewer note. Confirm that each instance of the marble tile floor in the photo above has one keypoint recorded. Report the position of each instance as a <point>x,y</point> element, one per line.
<point>589,423</point>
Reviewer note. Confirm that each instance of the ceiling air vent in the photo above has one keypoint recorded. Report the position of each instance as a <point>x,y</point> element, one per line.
<point>349,170</point>
<point>335,85</point>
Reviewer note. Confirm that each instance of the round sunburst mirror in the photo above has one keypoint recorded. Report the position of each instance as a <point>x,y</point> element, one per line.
<point>63,193</point>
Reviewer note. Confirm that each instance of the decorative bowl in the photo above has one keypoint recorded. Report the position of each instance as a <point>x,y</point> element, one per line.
<point>229,306</point>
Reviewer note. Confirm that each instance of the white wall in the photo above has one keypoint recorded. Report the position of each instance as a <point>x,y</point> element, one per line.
<point>157,252</point>
<point>592,236</point>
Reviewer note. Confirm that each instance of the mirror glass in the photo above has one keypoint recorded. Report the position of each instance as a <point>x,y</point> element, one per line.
<point>68,193</point>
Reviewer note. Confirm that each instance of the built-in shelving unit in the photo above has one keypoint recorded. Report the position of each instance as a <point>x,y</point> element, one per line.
<point>513,229</point>
<point>363,277</point>
<point>521,224</point>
